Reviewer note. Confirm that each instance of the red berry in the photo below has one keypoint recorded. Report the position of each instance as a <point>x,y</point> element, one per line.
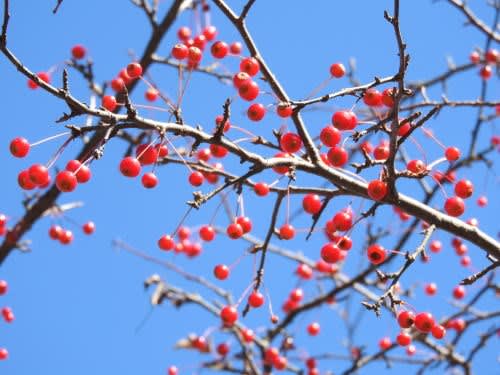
<point>180,51</point>
<point>234,231</point>
<point>261,189</point>
<point>109,102</point>
<point>207,233</point>
<point>218,151</point>
<point>172,370</point>
<point>210,32</point>
<point>82,172</point>
<point>39,174</point>
<point>19,147</point>
<point>196,178</point>
<point>290,142</point>
<point>248,335</point>
<point>416,166</point>
<point>55,232</point>
<point>330,136</point>
<point>459,292</point>
<point>124,76</point>
<point>184,233</point>
<point>280,363</point>
<point>166,242</point>
<point>256,299</point>
<point>88,227</point>
<point>184,33</point>
<point>403,339</point>
<point>381,152</point>
<point>491,56</point>
<point>474,57</point>
<point>221,271</point>
<point>134,70</point>
<point>66,181</point>
<point>200,41</point>
<point>311,362</point>
<point>452,153</point>
<point>194,55</point>
<point>424,322</point>
<point>337,70</point>
<point>385,343</point>
<point>438,331</point>
<point>486,72</point>
<point>431,289</point>
<point>250,66</point>
<point>313,328</point>
<point>406,319</point>
<point>281,169</point>
<point>7,314</point>
<point>241,77</point>
<point>331,253</point>
<point>3,287</point>
<point>66,237</point>
<point>151,94</point>
<point>149,180</point>
<point>454,206</point>
<point>311,204</point>
<point>219,49</point>
<point>24,180</point>
<point>296,295</point>
<point>256,112</point>
<point>464,189</point>
<point>248,90</point>
<point>404,129</point>
<point>376,254</point>
<point>235,48</point>
<point>78,51</point>
<point>4,354</point>
<point>223,349</point>
<point>43,76</point>
<point>245,223</point>
<point>287,232</point>
<point>344,120</point>
<point>410,350</point>
<point>372,97</point>
<point>342,221</point>
<point>229,315</point>
<point>118,84</point>
<point>377,190</point>
<point>284,110</point>
<point>388,96</point>
<point>130,167</point>
<point>304,271</point>
<point>482,201</point>
<point>465,261</point>
<point>337,156</point>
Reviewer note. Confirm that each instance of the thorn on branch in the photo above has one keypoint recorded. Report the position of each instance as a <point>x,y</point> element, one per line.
<point>56,8</point>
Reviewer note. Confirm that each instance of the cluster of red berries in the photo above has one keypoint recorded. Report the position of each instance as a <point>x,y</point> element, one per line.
<point>146,154</point>
<point>65,236</point>
<point>184,245</point>
<point>489,60</point>
<point>423,322</point>
<point>7,315</point>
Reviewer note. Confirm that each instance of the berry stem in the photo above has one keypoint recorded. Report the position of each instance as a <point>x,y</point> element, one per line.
<point>49,139</point>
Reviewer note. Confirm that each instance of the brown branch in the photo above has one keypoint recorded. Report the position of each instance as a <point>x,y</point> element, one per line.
<point>471,17</point>
<point>410,259</point>
<point>473,278</point>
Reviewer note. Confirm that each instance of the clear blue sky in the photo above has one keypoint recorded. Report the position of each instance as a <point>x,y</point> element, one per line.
<point>81,309</point>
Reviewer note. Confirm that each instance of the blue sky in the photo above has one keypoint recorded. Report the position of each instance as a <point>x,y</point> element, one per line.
<point>82,308</point>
